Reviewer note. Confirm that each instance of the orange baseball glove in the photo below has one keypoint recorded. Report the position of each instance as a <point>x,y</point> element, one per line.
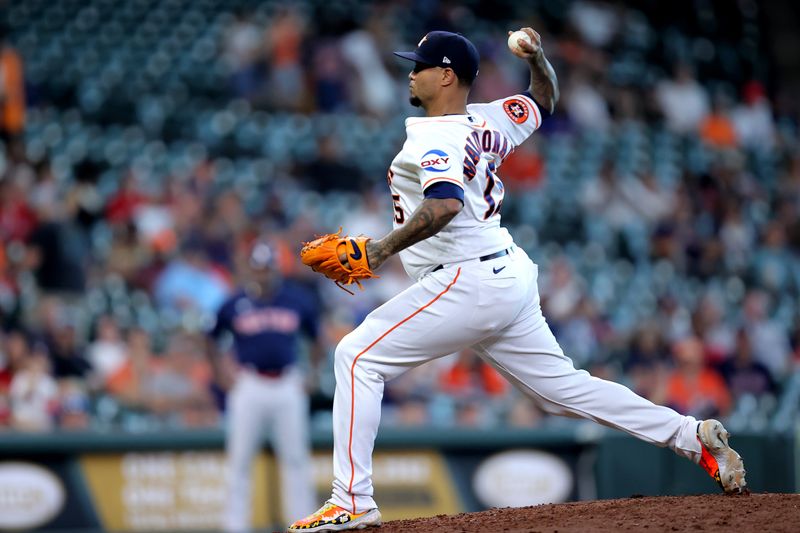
<point>340,258</point>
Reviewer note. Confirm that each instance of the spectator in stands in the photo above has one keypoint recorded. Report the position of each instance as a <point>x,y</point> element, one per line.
<point>795,343</point>
<point>10,295</point>
<point>74,405</point>
<point>44,192</point>
<point>375,90</point>
<point>768,338</point>
<point>107,353</point>
<point>477,390</point>
<point>743,374</point>
<point>34,393</point>
<point>66,353</point>
<point>717,129</point>
<point>58,250</point>
<point>243,54</point>
<point>772,262</point>
<point>331,170</point>
<point>128,383</point>
<point>179,391</point>
<point>496,84</point>
<point>186,210</point>
<point>648,347</point>
<point>647,364</point>
<point>682,100</point>
<point>128,256</point>
<point>579,335</point>
<point>17,218</point>
<point>737,236</point>
<point>156,223</point>
<point>469,377</point>
<point>411,399</point>
<point>87,197</point>
<point>789,184</point>
<point>129,196</point>
<point>562,291</point>
<point>693,387</point>
<point>227,222</point>
<point>652,201</point>
<point>606,198</point>
<point>190,283</point>
<point>596,22</point>
<point>284,41</point>
<point>329,79</point>
<point>586,105</point>
<point>708,325</point>
<point>12,90</point>
<point>674,238</point>
<point>524,168</point>
<point>14,352</point>
<point>523,413</point>
<point>753,120</point>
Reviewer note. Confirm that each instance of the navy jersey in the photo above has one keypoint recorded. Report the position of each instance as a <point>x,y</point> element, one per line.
<point>266,330</point>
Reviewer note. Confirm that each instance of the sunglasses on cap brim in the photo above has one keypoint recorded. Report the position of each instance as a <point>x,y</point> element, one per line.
<point>419,67</point>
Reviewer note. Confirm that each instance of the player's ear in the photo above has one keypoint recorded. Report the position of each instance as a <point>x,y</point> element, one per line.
<point>449,77</point>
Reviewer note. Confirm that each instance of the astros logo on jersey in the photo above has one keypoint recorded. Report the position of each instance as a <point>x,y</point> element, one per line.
<point>516,109</point>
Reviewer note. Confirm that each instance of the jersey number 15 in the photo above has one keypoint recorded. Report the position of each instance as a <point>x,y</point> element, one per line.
<point>399,215</point>
<point>493,185</point>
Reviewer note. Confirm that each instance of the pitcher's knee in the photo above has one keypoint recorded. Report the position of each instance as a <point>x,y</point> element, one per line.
<point>345,354</point>
<point>350,350</point>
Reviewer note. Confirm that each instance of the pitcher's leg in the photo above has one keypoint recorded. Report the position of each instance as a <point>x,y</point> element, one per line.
<point>528,354</point>
<point>416,326</point>
<point>356,416</point>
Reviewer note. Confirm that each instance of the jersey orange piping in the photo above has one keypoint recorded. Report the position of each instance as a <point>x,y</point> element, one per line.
<point>435,180</point>
<point>536,112</point>
<point>451,121</point>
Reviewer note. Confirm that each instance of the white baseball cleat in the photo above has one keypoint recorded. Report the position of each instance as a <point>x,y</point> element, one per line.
<point>331,517</point>
<point>720,460</point>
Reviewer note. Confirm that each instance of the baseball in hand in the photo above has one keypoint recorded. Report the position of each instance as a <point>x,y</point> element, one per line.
<point>513,45</point>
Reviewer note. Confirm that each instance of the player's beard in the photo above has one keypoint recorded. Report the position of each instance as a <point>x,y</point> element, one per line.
<point>415,101</point>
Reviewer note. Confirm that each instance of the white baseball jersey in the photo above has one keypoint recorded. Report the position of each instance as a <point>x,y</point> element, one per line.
<point>465,150</point>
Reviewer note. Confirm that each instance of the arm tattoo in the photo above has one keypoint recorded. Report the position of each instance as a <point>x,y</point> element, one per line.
<point>431,216</point>
<point>544,85</point>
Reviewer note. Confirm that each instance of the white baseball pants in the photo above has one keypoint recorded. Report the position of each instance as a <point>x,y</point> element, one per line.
<point>492,306</point>
<point>279,405</point>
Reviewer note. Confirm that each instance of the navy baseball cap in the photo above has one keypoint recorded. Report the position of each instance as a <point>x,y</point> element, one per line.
<point>262,256</point>
<point>447,50</point>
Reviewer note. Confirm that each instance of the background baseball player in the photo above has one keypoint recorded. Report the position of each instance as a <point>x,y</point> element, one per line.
<point>266,318</point>
<point>474,286</point>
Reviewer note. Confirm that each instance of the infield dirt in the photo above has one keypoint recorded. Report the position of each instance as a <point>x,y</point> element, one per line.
<point>717,513</point>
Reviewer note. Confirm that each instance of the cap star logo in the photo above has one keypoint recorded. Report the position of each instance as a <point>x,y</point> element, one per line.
<point>422,41</point>
<point>516,109</point>
<point>446,60</point>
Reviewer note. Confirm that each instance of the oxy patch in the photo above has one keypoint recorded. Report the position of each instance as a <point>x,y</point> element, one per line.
<point>435,161</point>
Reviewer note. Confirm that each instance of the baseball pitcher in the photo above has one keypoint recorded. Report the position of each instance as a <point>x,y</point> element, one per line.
<point>474,287</point>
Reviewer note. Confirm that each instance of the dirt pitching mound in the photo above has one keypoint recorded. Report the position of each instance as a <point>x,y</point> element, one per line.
<point>717,513</point>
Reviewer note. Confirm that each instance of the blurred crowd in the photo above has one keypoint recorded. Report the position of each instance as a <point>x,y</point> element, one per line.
<point>661,200</point>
